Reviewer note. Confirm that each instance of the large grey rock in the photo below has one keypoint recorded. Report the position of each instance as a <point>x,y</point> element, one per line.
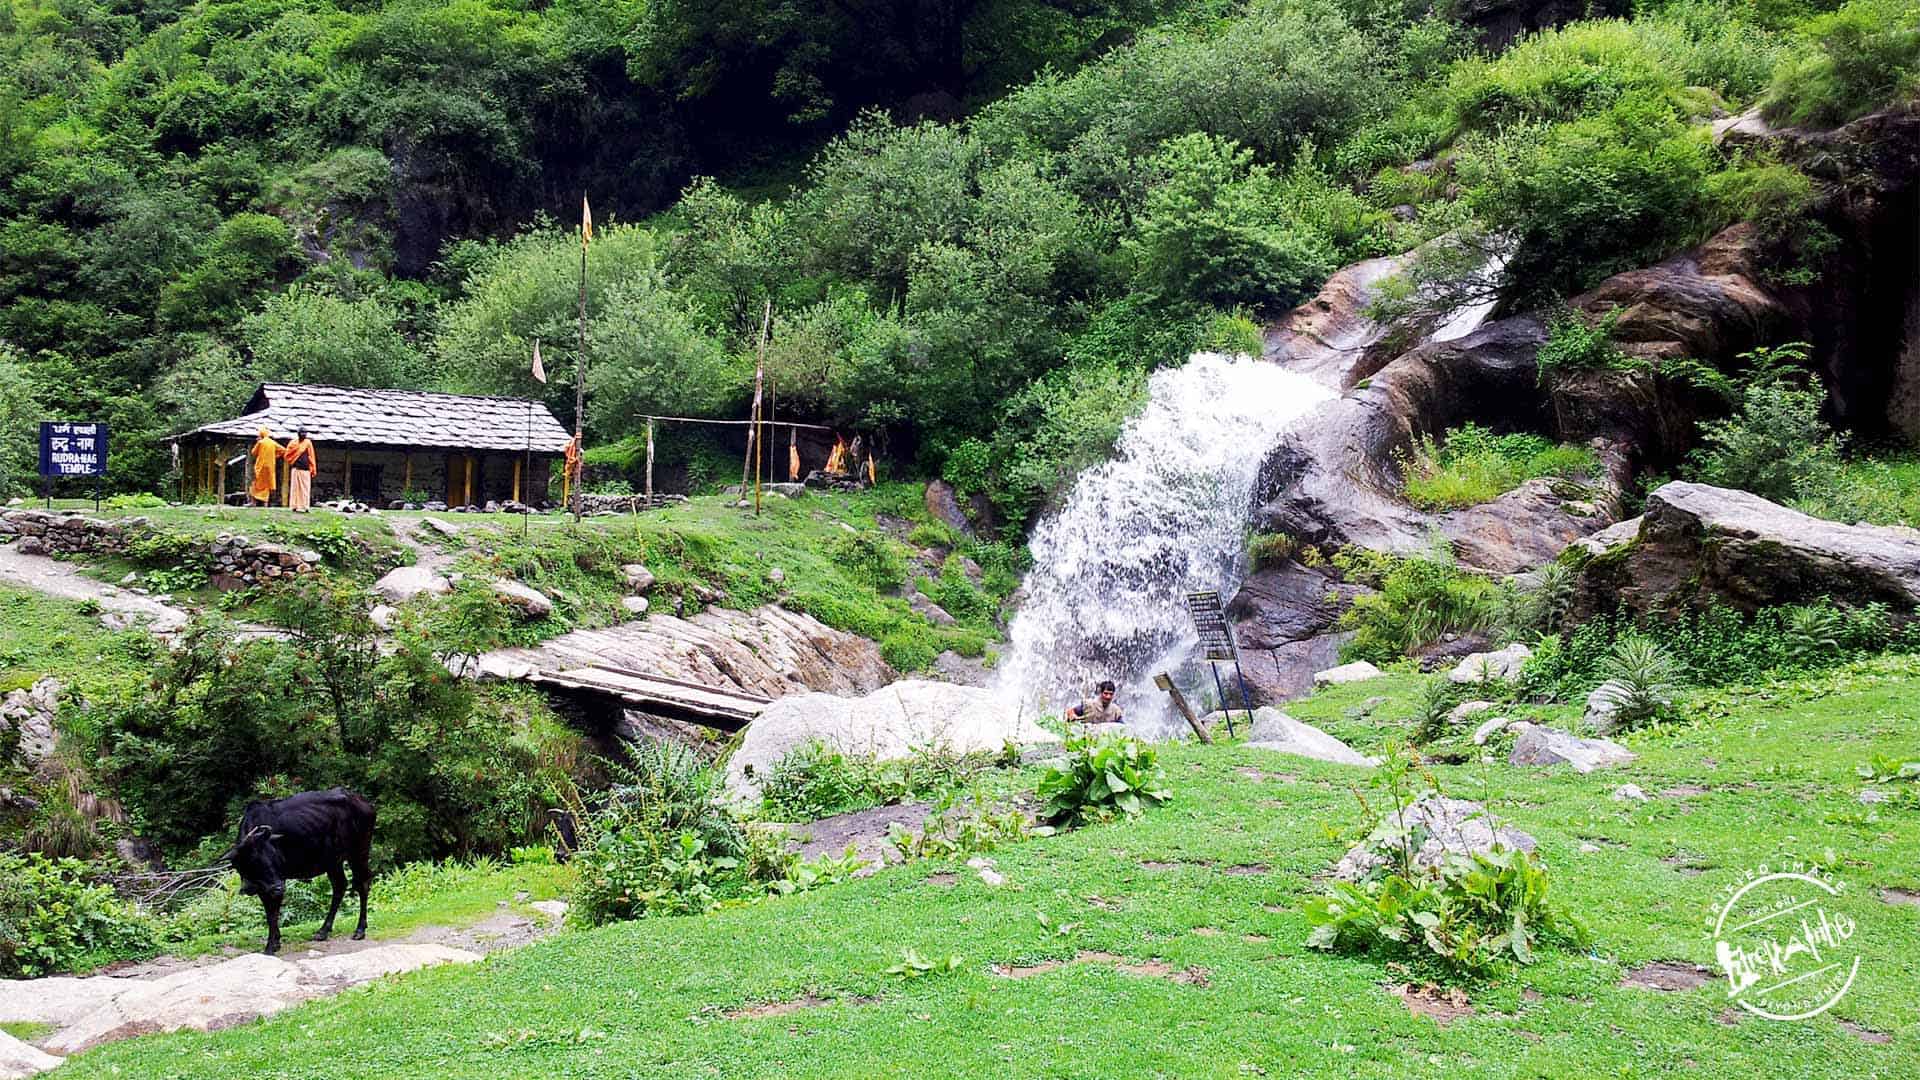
<point>103,1008</point>
<point>1501,665</point>
<point>531,602</point>
<point>18,1060</point>
<point>1527,526</point>
<point>404,583</point>
<point>1450,827</point>
<point>639,578</point>
<point>1536,745</point>
<point>30,713</point>
<point>634,606</point>
<point>889,724</point>
<point>944,504</point>
<point>1489,728</point>
<point>1697,544</point>
<point>1276,731</point>
<point>1287,603</point>
<point>1467,710</point>
<point>1357,671</point>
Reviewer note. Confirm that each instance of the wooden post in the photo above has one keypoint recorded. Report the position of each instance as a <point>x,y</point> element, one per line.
<point>407,485</point>
<point>220,467</point>
<point>516,479</point>
<point>346,475</point>
<point>286,496</point>
<point>470,499</point>
<point>649,463</point>
<point>1165,682</point>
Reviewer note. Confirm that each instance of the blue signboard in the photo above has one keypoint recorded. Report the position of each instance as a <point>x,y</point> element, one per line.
<point>70,449</point>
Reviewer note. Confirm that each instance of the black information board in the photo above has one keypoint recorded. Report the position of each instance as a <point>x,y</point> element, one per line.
<point>1216,637</point>
<point>73,449</point>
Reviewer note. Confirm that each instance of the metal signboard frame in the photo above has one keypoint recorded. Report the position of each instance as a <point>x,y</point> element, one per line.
<point>1216,639</point>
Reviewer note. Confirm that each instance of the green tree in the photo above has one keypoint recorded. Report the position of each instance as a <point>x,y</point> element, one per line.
<point>19,427</point>
<point>308,335</point>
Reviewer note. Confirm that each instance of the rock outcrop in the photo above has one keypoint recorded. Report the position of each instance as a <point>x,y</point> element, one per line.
<point>26,722</point>
<point>235,562</point>
<point>890,724</point>
<point>768,651</point>
<point>1698,544</point>
<point>102,1008</point>
<point>402,584</point>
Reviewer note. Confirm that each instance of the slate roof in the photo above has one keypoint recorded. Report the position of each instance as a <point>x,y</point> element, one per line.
<point>341,416</point>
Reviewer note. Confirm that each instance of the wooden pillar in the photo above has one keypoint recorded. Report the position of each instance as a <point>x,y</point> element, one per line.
<point>285,495</point>
<point>470,501</point>
<point>346,475</point>
<point>516,480</point>
<point>408,484</point>
<point>220,469</point>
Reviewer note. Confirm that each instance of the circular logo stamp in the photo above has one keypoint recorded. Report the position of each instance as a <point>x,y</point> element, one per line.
<point>1786,946</point>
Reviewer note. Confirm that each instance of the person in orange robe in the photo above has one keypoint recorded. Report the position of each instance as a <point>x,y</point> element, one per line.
<point>266,468</point>
<point>301,464</point>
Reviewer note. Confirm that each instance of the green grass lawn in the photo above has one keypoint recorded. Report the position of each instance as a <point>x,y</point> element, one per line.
<point>1209,884</point>
<point>41,635</point>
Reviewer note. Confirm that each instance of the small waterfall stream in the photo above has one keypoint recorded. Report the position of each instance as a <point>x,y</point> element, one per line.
<point>1165,516</point>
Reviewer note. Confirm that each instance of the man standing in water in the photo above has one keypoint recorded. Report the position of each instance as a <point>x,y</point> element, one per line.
<point>1099,709</point>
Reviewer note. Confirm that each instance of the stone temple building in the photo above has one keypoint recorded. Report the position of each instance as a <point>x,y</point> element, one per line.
<point>385,446</point>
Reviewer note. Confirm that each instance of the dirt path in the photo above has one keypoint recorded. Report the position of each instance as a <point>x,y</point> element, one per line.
<point>64,580</point>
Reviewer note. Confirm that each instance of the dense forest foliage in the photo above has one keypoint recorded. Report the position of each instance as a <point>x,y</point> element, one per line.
<point>979,224</point>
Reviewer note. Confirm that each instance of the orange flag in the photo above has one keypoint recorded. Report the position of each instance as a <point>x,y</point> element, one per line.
<point>586,222</point>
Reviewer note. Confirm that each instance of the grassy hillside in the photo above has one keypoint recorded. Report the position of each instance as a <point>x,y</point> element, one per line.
<point>1209,886</point>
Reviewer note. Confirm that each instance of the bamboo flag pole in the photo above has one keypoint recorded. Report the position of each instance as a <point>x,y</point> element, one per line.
<point>649,462</point>
<point>759,388</point>
<point>580,367</point>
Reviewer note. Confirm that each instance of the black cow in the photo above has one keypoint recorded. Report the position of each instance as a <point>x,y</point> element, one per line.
<point>303,836</point>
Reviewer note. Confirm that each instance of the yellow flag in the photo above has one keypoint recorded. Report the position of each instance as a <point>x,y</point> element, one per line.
<point>586,222</point>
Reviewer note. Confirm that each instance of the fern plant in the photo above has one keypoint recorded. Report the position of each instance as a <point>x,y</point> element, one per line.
<point>1641,679</point>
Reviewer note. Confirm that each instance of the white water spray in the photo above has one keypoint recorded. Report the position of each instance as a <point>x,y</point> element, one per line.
<point>1165,517</point>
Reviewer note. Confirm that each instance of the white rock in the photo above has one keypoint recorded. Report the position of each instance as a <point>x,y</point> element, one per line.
<point>57,1000</point>
<point>382,616</point>
<point>1537,745</point>
<point>1629,793</point>
<point>984,867</point>
<point>639,578</point>
<point>224,994</point>
<point>1502,664</point>
<point>18,1060</point>
<point>1451,827</point>
<point>1276,731</point>
<point>634,605</point>
<point>532,602</point>
<point>404,583</point>
<point>1346,673</point>
<point>1589,849</point>
<point>888,724</point>
<point>552,909</point>
<point>1869,797</point>
<point>1462,711</point>
<point>776,575</point>
<point>1489,728</point>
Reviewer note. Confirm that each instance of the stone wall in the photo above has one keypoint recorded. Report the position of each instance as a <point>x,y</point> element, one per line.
<point>236,562</point>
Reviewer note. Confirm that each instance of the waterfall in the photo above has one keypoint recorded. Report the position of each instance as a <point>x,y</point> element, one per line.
<point>1165,516</point>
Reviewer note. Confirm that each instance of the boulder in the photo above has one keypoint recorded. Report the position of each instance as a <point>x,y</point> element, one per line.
<point>30,713</point>
<point>1451,826</point>
<point>1535,745</point>
<point>17,1059</point>
<point>929,610</point>
<point>1464,711</point>
<point>1698,544</point>
<point>944,504</point>
<point>404,583</point>
<point>1501,665</point>
<point>1628,793</point>
<point>1276,731</point>
<point>382,616</point>
<point>1524,527</point>
<point>30,545</point>
<point>531,602</point>
<point>639,578</point>
<point>1489,728</point>
<point>1346,673</point>
<point>634,606</point>
<point>889,724</point>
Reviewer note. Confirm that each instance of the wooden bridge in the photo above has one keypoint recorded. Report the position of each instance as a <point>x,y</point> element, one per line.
<point>601,686</point>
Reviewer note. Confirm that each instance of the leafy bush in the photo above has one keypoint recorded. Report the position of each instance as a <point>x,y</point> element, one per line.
<point>1100,776</point>
<point>1419,599</point>
<point>872,557</point>
<point>1777,446</point>
<point>54,918</point>
<point>1468,913</point>
<point>814,780</point>
<point>1864,54</point>
<point>1575,344</point>
<point>961,825</point>
<point>1433,711</point>
<point>1472,465</point>
<point>1269,549</point>
<point>908,651</point>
